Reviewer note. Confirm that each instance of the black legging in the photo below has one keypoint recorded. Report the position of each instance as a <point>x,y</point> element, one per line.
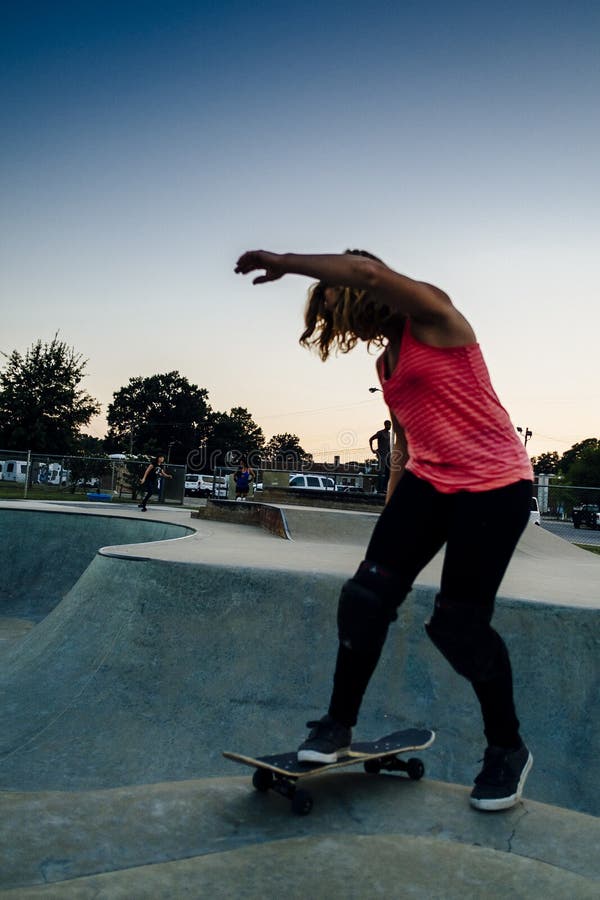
<point>481,531</point>
<point>151,488</point>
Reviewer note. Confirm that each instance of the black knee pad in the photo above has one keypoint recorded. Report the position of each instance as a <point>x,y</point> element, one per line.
<point>463,634</point>
<point>367,605</point>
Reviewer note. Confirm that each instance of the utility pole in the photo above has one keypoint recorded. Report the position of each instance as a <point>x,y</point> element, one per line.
<point>527,435</point>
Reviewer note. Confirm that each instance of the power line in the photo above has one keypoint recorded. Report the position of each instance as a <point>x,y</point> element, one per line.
<point>301,412</point>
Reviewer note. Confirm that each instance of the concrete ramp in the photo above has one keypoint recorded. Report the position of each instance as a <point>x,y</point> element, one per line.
<point>117,705</point>
<point>148,669</point>
<point>329,526</point>
<point>44,553</point>
<point>545,568</point>
<point>367,836</point>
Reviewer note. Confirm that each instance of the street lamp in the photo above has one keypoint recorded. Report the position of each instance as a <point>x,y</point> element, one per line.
<point>170,447</point>
<point>373,389</point>
<point>528,434</point>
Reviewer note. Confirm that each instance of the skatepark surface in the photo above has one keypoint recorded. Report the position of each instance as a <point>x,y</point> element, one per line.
<point>135,649</point>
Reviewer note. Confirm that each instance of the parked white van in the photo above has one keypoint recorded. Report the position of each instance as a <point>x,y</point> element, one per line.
<point>14,470</point>
<point>53,473</point>
<point>202,485</point>
<point>312,483</point>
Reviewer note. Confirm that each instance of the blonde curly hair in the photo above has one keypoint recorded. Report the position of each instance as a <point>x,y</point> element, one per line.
<point>355,317</point>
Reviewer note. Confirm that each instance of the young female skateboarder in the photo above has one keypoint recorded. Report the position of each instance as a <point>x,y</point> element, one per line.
<point>460,476</point>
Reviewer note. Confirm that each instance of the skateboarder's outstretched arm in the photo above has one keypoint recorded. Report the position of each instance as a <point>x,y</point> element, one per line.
<point>426,304</point>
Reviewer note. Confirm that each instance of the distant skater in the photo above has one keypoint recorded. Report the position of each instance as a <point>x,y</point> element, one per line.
<point>460,476</point>
<point>151,479</point>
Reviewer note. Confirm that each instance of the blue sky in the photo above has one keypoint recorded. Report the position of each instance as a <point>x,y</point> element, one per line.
<point>146,145</point>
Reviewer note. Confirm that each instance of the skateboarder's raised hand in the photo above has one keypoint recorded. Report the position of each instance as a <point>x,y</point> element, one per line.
<point>272,263</point>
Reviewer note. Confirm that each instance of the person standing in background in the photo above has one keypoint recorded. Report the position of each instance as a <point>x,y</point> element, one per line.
<point>382,452</point>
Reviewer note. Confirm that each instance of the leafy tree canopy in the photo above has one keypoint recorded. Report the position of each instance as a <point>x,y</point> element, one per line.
<point>42,406</point>
<point>577,451</point>
<point>584,465</point>
<point>546,463</point>
<point>580,465</point>
<point>284,450</point>
<point>89,445</point>
<point>162,413</point>
<point>234,435</point>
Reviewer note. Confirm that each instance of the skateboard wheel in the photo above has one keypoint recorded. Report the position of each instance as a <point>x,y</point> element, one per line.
<point>262,780</point>
<point>415,768</point>
<point>372,767</point>
<point>302,803</point>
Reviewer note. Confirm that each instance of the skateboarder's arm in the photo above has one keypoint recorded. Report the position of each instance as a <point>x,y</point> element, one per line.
<point>423,302</point>
<point>399,456</point>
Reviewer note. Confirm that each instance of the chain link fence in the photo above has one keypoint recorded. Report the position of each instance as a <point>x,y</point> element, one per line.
<point>318,482</point>
<point>570,511</point>
<point>38,476</point>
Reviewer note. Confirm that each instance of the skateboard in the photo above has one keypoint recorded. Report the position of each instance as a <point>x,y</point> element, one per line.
<point>281,772</point>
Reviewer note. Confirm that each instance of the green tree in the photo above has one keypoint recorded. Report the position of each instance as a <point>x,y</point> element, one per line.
<point>90,445</point>
<point>234,435</point>
<point>584,469</point>
<point>161,413</point>
<point>42,405</point>
<point>284,452</point>
<point>576,452</point>
<point>546,463</point>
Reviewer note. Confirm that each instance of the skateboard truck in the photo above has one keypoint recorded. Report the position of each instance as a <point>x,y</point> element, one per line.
<point>265,780</point>
<point>413,767</point>
<point>301,800</point>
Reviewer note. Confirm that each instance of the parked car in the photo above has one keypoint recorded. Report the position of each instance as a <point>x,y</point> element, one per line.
<point>587,514</point>
<point>312,483</point>
<point>534,514</point>
<point>88,483</point>
<point>204,485</point>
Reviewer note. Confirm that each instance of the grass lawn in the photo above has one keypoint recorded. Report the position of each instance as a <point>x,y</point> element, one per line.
<point>37,492</point>
<point>589,547</point>
<point>11,491</point>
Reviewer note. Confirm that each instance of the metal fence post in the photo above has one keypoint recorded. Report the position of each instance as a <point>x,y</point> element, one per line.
<point>27,475</point>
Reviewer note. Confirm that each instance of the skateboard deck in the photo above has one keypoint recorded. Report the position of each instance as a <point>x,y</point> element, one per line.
<point>282,771</point>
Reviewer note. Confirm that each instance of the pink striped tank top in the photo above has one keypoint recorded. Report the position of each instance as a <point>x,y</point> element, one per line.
<point>459,436</point>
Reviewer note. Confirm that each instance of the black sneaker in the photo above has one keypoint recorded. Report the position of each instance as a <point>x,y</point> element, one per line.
<point>500,783</point>
<point>327,741</point>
